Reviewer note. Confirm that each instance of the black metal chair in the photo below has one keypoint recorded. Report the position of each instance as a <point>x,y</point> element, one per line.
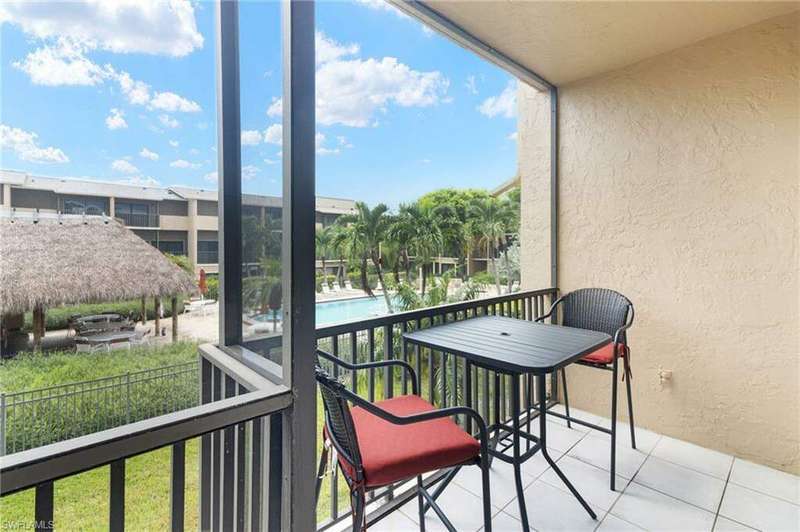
<point>394,440</point>
<point>604,310</point>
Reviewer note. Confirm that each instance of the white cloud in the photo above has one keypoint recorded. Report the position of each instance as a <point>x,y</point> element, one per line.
<point>116,119</point>
<point>24,145</point>
<point>344,142</point>
<point>168,121</point>
<point>122,26</point>
<point>174,143</point>
<point>275,109</point>
<point>425,161</point>
<point>471,85</point>
<point>251,137</point>
<point>350,92</point>
<point>270,161</point>
<point>249,172</point>
<point>147,154</point>
<point>512,136</point>
<point>60,64</point>
<point>319,141</point>
<point>171,102</point>
<point>504,104</point>
<point>121,165</point>
<point>274,134</point>
<point>326,49</point>
<point>382,5</point>
<point>182,163</point>
<point>212,177</point>
<point>137,92</point>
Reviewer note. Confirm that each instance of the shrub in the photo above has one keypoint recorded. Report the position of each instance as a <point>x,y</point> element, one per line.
<point>100,405</point>
<point>212,283</point>
<point>58,318</point>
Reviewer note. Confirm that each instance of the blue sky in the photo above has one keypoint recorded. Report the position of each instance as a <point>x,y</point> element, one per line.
<point>127,93</point>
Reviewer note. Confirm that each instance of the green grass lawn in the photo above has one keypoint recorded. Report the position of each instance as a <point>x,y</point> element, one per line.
<point>81,502</point>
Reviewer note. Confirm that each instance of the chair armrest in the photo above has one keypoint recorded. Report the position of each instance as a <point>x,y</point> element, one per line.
<point>550,312</point>
<point>372,365</point>
<point>625,327</point>
<point>422,416</point>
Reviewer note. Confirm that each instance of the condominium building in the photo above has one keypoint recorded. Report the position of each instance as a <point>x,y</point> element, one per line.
<point>179,220</point>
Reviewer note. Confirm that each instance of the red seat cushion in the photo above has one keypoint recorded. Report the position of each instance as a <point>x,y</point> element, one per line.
<point>605,355</point>
<point>392,452</point>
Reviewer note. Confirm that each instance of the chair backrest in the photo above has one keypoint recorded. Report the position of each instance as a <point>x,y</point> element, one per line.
<point>338,420</point>
<point>596,309</point>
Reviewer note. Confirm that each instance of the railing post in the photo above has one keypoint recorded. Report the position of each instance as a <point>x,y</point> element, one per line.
<point>128,397</point>
<point>2,424</point>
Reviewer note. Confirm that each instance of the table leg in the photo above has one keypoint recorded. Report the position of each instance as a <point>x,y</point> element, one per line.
<point>540,383</point>
<point>515,412</point>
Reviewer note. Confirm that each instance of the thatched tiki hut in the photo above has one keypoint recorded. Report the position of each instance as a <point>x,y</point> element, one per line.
<point>49,261</point>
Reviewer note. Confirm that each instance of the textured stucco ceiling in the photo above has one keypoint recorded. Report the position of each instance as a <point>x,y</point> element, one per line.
<point>568,41</point>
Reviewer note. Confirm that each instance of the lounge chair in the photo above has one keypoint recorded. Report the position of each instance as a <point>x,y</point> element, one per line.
<point>348,285</point>
<point>325,288</point>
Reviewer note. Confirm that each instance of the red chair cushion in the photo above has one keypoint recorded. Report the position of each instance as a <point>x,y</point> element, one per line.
<point>605,355</point>
<point>392,452</point>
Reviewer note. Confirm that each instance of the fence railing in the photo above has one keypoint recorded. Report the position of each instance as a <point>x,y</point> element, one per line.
<point>442,377</point>
<point>138,220</point>
<point>33,418</point>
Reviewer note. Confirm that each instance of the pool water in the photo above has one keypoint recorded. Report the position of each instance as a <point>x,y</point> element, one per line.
<point>350,309</point>
<point>328,312</point>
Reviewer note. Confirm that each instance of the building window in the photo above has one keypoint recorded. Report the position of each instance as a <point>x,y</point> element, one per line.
<point>173,247</point>
<point>93,206</point>
<point>207,251</point>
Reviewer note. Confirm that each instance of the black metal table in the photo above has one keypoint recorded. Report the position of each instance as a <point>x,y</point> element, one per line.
<point>515,347</point>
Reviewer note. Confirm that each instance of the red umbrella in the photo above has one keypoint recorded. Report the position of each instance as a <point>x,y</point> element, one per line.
<point>201,284</point>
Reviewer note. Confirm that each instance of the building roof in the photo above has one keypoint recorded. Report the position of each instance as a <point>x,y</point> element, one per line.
<point>505,186</point>
<point>50,261</point>
<point>86,187</point>
<point>90,187</point>
<point>568,41</point>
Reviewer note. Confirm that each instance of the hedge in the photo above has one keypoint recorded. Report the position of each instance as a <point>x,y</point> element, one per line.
<point>57,318</point>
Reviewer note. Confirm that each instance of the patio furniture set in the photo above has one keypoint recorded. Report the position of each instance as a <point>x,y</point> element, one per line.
<point>405,437</point>
<point>101,331</point>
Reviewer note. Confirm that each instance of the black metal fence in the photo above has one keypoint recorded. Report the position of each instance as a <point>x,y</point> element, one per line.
<point>32,418</point>
<point>443,379</point>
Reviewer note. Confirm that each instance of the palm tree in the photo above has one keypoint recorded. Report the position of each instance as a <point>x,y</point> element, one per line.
<point>402,231</point>
<point>323,238</point>
<point>489,220</point>
<point>337,249</point>
<point>371,227</point>
<point>426,242</point>
<point>348,240</point>
<point>256,290</point>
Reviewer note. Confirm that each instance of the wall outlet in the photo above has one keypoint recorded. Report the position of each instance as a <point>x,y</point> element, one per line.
<point>664,376</point>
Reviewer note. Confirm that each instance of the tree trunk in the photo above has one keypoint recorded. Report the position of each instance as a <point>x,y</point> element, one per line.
<point>377,262</point>
<point>324,271</point>
<point>174,306</point>
<point>424,278</point>
<point>156,302</point>
<point>38,327</point>
<point>407,264</point>
<point>396,270</point>
<point>144,310</point>
<point>496,273</point>
<point>341,271</point>
<point>508,268</point>
<point>364,279</point>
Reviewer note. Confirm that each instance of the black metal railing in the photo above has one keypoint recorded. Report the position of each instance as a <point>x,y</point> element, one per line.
<point>138,220</point>
<point>239,425</point>
<point>443,378</point>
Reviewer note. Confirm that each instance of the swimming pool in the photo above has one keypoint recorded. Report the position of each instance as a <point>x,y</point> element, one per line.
<point>328,312</point>
<point>350,309</point>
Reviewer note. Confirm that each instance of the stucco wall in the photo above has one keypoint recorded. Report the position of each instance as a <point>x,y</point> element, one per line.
<point>679,188</point>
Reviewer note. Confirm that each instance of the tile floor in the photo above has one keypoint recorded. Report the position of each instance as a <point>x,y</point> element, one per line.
<point>666,484</point>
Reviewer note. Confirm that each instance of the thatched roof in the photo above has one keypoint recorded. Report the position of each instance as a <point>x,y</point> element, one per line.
<point>75,259</point>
